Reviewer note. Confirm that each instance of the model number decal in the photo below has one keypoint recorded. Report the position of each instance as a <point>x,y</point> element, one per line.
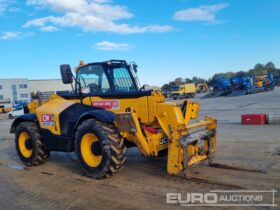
<point>47,119</point>
<point>112,105</point>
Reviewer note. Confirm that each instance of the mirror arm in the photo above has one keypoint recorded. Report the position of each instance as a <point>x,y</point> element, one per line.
<point>78,82</point>
<point>74,79</point>
<point>80,88</point>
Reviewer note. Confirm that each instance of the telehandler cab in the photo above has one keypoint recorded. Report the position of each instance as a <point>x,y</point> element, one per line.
<point>107,112</point>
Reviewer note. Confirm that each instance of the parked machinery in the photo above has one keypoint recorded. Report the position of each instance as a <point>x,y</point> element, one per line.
<point>221,84</point>
<point>264,82</point>
<point>5,106</point>
<point>252,84</point>
<point>166,93</point>
<point>242,83</point>
<point>202,88</point>
<point>183,91</point>
<point>260,83</point>
<point>238,85</point>
<point>108,112</point>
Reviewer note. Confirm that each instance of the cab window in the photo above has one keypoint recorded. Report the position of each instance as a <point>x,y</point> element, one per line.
<point>93,79</point>
<point>122,80</point>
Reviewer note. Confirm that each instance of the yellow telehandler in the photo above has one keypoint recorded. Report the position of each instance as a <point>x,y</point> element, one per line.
<point>108,111</point>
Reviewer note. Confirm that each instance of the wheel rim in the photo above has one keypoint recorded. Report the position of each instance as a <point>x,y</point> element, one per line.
<point>25,144</point>
<point>91,150</point>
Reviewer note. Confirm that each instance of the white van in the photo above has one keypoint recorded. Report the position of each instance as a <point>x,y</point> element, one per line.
<point>16,112</point>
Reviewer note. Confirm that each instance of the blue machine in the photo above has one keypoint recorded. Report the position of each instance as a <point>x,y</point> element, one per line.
<point>221,84</point>
<point>268,85</point>
<point>273,81</point>
<point>238,86</point>
<point>242,83</point>
<point>20,104</point>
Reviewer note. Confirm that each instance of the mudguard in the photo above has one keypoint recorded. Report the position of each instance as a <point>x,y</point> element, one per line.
<point>22,118</point>
<point>101,115</point>
<point>75,114</point>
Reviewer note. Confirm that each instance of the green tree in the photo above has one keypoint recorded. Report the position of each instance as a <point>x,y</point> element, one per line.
<point>187,80</point>
<point>172,84</point>
<point>259,67</point>
<point>269,66</point>
<point>241,74</point>
<point>179,81</point>
<point>197,80</point>
<point>230,74</point>
<point>166,87</point>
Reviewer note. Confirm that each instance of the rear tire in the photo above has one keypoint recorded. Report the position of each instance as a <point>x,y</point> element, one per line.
<point>29,144</point>
<point>100,149</point>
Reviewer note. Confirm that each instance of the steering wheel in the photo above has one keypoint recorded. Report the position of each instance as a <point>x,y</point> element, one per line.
<point>94,88</point>
<point>116,87</point>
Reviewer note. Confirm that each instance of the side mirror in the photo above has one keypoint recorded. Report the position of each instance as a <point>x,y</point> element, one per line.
<point>135,68</point>
<point>145,87</point>
<point>66,74</point>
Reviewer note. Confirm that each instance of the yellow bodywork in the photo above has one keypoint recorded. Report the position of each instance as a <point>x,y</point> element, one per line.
<point>185,90</point>
<point>259,81</point>
<point>153,125</point>
<point>202,88</point>
<point>149,122</point>
<point>51,121</point>
<point>5,110</point>
<point>5,106</point>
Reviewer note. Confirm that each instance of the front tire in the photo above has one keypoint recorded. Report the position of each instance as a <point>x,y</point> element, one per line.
<point>29,144</point>
<point>100,149</point>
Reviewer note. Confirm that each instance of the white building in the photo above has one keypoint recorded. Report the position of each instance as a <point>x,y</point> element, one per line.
<point>48,87</point>
<point>18,90</point>
<point>15,90</point>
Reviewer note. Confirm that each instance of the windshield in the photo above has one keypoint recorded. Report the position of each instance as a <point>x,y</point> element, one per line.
<point>176,88</point>
<point>95,79</point>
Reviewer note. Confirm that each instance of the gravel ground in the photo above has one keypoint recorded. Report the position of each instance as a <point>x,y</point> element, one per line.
<point>143,182</point>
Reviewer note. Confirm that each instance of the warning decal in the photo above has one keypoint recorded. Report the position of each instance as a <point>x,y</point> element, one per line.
<point>47,119</point>
<point>112,105</point>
